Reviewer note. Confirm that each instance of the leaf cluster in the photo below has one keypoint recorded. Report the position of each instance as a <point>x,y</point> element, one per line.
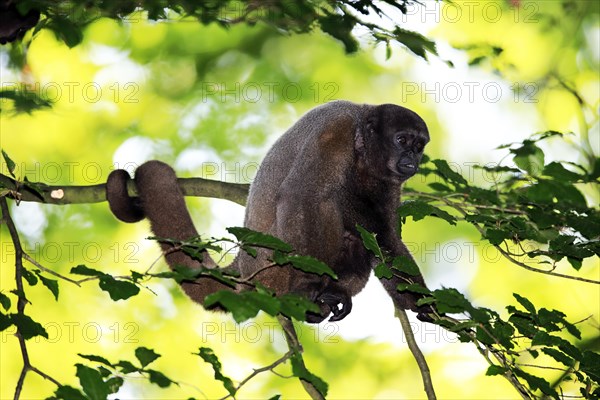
<point>526,333</point>
<point>339,18</point>
<point>533,210</point>
<point>100,382</point>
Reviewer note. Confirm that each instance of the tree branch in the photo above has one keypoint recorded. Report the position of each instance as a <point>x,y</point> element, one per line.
<point>503,252</point>
<point>417,354</point>
<point>21,302</point>
<point>295,347</point>
<point>199,187</point>
<point>257,371</point>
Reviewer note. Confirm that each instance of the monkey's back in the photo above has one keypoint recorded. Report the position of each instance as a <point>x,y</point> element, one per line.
<point>288,156</point>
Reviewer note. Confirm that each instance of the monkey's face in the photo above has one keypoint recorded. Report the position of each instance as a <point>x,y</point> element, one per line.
<point>407,153</point>
<point>401,138</point>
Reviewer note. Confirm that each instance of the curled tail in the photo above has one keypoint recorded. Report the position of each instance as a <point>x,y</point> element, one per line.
<point>161,201</point>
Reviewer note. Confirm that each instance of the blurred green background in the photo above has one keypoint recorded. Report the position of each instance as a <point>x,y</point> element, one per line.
<point>210,101</point>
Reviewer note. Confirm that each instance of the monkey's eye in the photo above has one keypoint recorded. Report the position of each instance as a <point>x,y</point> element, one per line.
<point>419,147</point>
<point>401,139</point>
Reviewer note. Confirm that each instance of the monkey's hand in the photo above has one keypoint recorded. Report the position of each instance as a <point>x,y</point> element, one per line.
<point>339,304</point>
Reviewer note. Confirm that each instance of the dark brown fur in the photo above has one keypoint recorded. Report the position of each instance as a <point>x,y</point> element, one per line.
<point>340,165</point>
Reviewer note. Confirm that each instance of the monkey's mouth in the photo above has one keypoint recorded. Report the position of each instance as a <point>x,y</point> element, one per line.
<point>407,169</point>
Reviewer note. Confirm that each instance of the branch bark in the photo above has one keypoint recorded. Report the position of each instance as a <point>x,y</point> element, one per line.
<point>417,354</point>
<point>21,303</point>
<point>295,347</point>
<point>64,194</point>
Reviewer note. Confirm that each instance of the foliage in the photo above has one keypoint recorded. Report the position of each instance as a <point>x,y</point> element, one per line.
<point>337,18</point>
<point>509,213</point>
<point>533,213</point>
<point>552,223</point>
<point>541,214</point>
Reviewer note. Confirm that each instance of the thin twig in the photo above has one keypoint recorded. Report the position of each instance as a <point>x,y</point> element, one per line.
<point>504,253</point>
<point>257,371</point>
<point>417,354</point>
<point>49,271</point>
<point>258,271</point>
<point>485,349</point>
<point>295,347</point>
<point>21,302</point>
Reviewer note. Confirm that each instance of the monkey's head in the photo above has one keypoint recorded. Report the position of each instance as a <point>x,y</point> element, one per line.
<point>394,140</point>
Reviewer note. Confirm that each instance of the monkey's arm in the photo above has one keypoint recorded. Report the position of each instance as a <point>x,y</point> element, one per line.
<point>406,300</point>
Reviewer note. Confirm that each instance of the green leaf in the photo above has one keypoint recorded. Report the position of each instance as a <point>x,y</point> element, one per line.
<point>477,60</point>
<point>413,287</point>
<point>29,277</point>
<point>69,393</point>
<point>528,305</point>
<point>209,356</point>
<point>545,339</point>
<point>419,210</point>
<point>559,356</point>
<point>126,367</point>
<point>241,305</point>
<point>27,327</point>
<point>295,306</point>
<point>136,276</point>
<point>25,101</point>
<point>5,321</point>
<point>439,187</point>
<point>145,355</point>
<point>66,30</point>
<point>497,236</point>
<point>118,289</point>
<point>304,263</point>
<point>529,157</point>
<point>546,191</point>
<point>559,172</point>
<point>300,371</point>
<point>4,301</point>
<point>383,271</point>
<point>114,383</point>
<point>550,319</point>
<point>370,242</point>
<point>444,170</point>
<point>503,332</point>
<point>95,358</point>
<point>340,27</point>
<point>495,370</point>
<point>158,378</point>
<point>51,284</point>
<point>92,383</point>
<point>451,301</point>
<point>407,265</point>
<point>258,239</point>
<point>85,271</point>
<point>10,164</point>
<point>264,301</point>
<point>525,325</point>
<point>415,42</point>
<point>590,364</point>
<point>536,382</point>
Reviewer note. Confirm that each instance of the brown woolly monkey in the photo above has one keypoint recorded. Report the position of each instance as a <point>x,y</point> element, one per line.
<point>340,165</point>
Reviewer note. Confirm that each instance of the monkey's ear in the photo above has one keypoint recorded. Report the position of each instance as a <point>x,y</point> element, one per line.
<point>367,129</point>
